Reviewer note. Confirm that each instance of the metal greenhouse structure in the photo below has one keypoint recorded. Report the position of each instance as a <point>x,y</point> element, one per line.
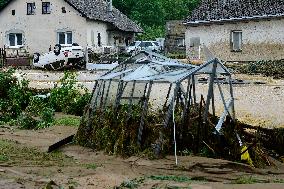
<point>156,83</point>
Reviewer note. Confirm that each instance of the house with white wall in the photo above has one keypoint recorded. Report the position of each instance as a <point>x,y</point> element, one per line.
<point>237,30</point>
<point>37,25</point>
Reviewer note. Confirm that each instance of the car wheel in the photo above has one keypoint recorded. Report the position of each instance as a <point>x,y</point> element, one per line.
<point>57,49</point>
<point>36,57</point>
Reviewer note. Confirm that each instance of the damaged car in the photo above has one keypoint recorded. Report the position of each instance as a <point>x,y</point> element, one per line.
<point>61,57</point>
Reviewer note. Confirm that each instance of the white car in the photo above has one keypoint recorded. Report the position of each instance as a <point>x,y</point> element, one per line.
<point>61,57</point>
<point>143,45</point>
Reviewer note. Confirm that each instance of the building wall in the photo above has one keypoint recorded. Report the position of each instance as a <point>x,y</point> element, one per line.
<point>40,30</point>
<point>175,36</point>
<point>94,28</point>
<point>261,40</point>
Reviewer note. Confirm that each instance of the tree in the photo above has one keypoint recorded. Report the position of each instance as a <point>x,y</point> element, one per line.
<point>153,14</point>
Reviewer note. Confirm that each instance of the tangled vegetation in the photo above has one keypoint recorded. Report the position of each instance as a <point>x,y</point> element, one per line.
<point>116,131</point>
<point>22,106</point>
<point>272,68</point>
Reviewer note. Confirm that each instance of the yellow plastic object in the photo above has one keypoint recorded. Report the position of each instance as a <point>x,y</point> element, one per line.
<point>245,156</point>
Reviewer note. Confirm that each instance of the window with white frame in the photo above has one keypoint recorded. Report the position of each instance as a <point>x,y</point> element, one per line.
<point>236,41</point>
<point>65,38</point>
<point>31,8</point>
<point>15,40</point>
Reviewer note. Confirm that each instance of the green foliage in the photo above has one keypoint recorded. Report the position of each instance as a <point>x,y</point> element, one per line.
<point>115,131</point>
<point>152,32</point>
<point>47,118</point>
<point>171,178</point>
<point>14,95</point>
<point>3,158</point>
<point>67,98</point>
<point>273,68</point>
<point>152,15</point>
<point>93,166</point>
<point>68,121</point>
<point>26,121</point>
<point>36,106</point>
<point>132,184</point>
<point>18,106</point>
<point>248,180</point>
<point>14,154</point>
<point>2,2</point>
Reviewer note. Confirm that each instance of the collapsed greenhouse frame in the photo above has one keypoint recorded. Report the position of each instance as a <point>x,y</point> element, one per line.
<point>148,68</point>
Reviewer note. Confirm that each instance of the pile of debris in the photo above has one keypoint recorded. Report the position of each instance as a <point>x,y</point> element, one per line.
<point>122,118</point>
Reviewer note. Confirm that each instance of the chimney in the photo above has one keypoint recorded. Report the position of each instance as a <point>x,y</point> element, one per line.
<point>109,5</point>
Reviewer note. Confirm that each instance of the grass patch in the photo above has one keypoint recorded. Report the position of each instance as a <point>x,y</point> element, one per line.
<point>132,184</point>
<point>68,121</point>
<point>3,158</point>
<point>278,181</point>
<point>15,154</point>
<point>248,180</point>
<point>171,178</point>
<point>178,187</point>
<point>93,166</point>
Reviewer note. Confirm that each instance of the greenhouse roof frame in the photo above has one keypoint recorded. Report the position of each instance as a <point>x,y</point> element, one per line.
<point>149,66</point>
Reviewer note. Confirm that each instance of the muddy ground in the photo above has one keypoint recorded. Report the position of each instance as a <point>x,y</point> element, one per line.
<point>28,166</point>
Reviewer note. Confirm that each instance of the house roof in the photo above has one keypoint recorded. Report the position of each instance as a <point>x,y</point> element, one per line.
<point>214,11</point>
<point>97,10</point>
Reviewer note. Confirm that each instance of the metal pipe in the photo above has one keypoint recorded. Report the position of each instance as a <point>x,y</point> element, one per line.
<point>210,91</point>
<point>193,89</point>
<point>107,94</point>
<point>232,97</point>
<point>130,100</point>
<point>144,113</point>
<point>169,113</point>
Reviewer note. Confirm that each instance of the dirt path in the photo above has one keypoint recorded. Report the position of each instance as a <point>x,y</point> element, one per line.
<point>90,169</point>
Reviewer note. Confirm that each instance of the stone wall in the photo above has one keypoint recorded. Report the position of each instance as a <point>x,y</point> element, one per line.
<point>175,34</point>
<point>261,40</point>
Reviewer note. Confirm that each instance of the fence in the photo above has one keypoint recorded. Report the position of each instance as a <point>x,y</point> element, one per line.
<point>14,58</point>
<point>2,56</point>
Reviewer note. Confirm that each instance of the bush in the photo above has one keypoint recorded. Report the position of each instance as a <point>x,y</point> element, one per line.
<point>18,103</point>
<point>273,68</point>
<point>14,95</point>
<point>67,98</point>
<point>36,106</point>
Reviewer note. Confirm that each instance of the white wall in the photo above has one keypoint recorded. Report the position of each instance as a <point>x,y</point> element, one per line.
<point>40,30</point>
<point>261,40</point>
<point>93,29</point>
